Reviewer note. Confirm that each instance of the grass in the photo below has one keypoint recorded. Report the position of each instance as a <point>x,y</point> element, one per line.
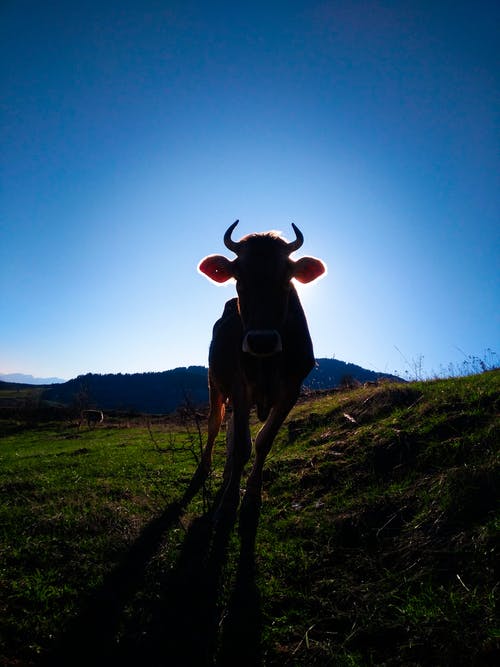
<point>72,502</point>
<point>376,543</point>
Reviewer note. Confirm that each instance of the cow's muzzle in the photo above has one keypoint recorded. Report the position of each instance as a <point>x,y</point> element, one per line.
<point>262,342</point>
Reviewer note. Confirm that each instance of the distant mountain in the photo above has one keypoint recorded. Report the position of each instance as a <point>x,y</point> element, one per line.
<point>155,393</point>
<point>164,392</point>
<point>331,373</point>
<point>21,378</point>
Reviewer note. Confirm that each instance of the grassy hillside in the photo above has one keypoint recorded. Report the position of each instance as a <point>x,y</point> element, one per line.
<point>376,542</point>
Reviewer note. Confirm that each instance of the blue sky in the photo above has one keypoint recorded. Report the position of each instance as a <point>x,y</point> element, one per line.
<point>134,133</point>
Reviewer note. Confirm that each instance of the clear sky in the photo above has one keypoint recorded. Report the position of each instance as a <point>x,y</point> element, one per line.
<point>133,133</point>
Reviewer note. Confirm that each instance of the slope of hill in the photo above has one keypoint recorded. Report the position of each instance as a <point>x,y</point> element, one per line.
<point>390,496</point>
<point>377,542</point>
<point>330,373</point>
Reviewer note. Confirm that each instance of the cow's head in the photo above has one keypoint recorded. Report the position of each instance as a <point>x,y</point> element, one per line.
<point>263,272</point>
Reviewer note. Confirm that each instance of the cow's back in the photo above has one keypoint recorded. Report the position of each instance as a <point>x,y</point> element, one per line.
<point>225,348</point>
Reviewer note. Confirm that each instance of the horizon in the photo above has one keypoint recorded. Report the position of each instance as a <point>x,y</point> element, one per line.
<point>134,134</point>
<point>165,370</point>
<point>414,371</point>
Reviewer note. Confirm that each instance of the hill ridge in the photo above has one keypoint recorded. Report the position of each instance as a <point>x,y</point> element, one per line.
<point>164,391</point>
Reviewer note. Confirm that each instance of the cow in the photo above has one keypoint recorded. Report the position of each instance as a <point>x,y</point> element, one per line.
<point>92,417</point>
<point>260,353</point>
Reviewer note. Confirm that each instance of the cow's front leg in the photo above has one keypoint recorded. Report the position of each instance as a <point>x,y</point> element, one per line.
<point>239,446</point>
<point>265,439</point>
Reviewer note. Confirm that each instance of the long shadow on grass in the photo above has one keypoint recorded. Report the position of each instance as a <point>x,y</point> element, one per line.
<point>240,641</point>
<point>188,624</point>
<point>91,637</point>
<point>193,623</point>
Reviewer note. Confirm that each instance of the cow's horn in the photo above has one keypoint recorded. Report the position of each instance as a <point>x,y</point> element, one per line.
<point>299,240</point>
<point>228,241</point>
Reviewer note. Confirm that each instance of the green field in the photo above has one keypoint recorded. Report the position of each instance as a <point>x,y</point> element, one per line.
<point>375,546</point>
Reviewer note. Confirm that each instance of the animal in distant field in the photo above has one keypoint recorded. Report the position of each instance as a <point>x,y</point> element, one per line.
<point>261,350</point>
<point>92,417</point>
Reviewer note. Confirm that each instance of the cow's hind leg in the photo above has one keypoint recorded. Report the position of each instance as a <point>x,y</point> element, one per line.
<point>215,417</point>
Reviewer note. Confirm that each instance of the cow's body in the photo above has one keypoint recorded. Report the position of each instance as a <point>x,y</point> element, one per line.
<point>264,377</point>
<point>261,349</point>
<point>92,417</point>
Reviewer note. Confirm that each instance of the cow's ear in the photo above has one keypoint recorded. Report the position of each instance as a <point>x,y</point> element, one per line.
<point>216,267</point>
<point>307,269</point>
